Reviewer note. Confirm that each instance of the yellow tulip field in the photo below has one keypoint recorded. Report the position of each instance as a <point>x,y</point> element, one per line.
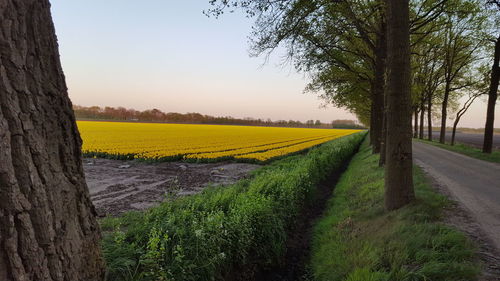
<point>152,141</point>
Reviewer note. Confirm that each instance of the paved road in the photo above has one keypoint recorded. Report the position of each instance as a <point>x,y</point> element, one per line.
<point>468,138</point>
<point>474,183</point>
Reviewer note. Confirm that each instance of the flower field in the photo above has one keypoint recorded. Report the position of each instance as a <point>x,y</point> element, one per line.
<point>197,142</point>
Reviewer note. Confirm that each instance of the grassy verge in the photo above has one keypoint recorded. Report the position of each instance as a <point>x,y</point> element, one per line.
<point>358,240</point>
<point>221,231</point>
<point>467,150</point>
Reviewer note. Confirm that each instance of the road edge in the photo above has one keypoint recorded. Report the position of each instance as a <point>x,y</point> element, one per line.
<point>458,216</point>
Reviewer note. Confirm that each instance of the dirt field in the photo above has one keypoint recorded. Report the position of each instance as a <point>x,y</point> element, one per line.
<point>469,138</point>
<point>117,186</point>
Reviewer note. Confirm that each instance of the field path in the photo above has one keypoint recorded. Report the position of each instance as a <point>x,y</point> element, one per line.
<point>473,183</point>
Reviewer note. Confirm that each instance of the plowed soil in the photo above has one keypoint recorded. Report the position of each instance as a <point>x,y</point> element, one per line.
<point>118,186</point>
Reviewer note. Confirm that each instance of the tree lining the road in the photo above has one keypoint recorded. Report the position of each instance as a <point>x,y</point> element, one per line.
<point>494,81</point>
<point>357,53</point>
<point>342,46</point>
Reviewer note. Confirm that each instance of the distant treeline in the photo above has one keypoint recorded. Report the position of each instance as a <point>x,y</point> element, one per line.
<point>156,115</point>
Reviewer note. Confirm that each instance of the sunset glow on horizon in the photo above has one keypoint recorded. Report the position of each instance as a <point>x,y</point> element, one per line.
<point>168,55</point>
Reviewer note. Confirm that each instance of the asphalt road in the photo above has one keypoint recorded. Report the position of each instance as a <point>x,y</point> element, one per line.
<point>469,139</point>
<point>474,183</point>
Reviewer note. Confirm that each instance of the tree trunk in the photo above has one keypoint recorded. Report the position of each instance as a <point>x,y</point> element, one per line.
<point>399,166</point>
<point>372,122</point>
<point>415,122</point>
<point>444,113</point>
<point>377,116</point>
<point>48,229</point>
<point>422,114</point>
<point>492,99</point>
<point>454,130</point>
<point>381,161</point>
<point>379,84</point>
<point>429,118</point>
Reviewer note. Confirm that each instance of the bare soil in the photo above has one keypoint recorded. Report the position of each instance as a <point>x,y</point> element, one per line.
<point>469,138</point>
<point>117,186</point>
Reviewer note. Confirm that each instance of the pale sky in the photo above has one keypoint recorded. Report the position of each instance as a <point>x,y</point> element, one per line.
<point>166,54</point>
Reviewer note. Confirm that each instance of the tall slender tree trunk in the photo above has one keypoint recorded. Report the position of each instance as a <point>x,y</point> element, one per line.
<point>379,84</point>
<point>372,121</point>
<point>48,229</point>
<point>429,117</point>
<point>444,113</point>
<point>377,116</point>
<point>422,114</point>
<point>415,123</point>
<point>454,131</point>
<point>399,166</point>
<point>381,161</point>
<point>492,99</point>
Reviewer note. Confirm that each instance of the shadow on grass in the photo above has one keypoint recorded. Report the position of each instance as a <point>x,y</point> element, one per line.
<point>358,240</point>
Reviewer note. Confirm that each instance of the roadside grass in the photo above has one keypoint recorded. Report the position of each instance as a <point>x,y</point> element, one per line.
<point>467,150</point>
<point>222,232</point>
<point>357,240</point>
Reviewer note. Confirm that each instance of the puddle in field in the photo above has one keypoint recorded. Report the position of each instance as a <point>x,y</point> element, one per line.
<point>117,186</point>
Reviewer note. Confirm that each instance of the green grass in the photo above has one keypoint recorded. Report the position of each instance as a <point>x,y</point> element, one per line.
<point>357,240</point>
<point>223,231</point>
<point>467,150</point>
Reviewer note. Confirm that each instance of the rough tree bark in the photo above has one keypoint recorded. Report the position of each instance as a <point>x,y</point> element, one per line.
<point>48,229</point>
<point>398,167</point>
<point>492,99</point>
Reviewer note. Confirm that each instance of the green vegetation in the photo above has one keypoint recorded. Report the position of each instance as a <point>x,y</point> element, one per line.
<point>358,240</point>
<point>467,150</point>
<point>222,231</point>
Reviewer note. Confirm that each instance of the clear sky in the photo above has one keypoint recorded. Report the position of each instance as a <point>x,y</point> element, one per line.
<point>166,54</point>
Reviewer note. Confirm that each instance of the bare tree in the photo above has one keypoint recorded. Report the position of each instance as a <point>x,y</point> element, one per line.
<point>472,97</point>
<point>48,229</point>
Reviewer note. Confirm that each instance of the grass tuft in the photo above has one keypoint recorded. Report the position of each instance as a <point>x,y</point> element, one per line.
<point>358,240</point>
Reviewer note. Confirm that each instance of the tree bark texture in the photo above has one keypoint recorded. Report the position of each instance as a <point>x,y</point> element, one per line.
<point>399,166</point>
<point>492,99</point>
<point>48,229</point>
